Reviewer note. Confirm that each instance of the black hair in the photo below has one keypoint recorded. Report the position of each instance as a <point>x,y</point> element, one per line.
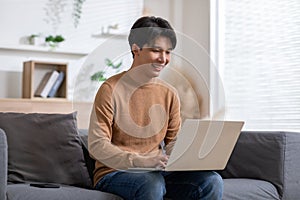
<point>146,29</point>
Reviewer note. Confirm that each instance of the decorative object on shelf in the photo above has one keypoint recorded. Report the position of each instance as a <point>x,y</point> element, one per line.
<point>100,75</point>
<point>53,41</point>
<point>109,27</point>
<point>36,39</point>
<point>77,11</point>
<point>110,31</point>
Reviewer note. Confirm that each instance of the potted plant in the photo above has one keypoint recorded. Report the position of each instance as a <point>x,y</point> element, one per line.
<point>35,39</point>
<point>53,41</point>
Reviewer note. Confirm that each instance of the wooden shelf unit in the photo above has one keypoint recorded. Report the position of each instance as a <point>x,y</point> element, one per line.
<point>34,71</point>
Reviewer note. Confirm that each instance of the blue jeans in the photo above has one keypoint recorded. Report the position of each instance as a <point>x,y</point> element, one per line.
<point>204,185</point>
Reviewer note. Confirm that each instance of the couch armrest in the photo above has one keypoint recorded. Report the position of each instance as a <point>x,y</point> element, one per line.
<point>3,164</point>
<point>270,156</point>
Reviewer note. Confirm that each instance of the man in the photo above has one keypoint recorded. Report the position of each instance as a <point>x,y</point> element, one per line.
<point>133,113</point>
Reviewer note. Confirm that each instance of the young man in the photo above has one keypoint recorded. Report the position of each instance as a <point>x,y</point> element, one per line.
<point>133,113</point>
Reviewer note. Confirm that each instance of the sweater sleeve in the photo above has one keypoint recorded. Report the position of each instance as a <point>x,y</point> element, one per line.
<point>174,123</point>
<point>100,133</point>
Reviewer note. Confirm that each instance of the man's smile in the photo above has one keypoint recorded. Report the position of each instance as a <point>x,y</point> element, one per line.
<point>157,67</point>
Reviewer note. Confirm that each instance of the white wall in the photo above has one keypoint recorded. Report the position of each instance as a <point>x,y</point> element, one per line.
<point>190,19</point>
<point>196,48</point>
<point>21,18</point>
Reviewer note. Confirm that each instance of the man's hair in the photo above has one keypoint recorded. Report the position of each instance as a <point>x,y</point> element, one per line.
<point>146,29</point>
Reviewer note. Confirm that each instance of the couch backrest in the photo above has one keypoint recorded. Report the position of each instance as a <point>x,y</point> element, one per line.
<point>270,156</point>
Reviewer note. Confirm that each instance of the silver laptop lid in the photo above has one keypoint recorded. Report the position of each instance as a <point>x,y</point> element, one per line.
<point>204,145</point>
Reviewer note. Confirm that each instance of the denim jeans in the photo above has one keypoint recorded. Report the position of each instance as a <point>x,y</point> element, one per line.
<point>204,185</point>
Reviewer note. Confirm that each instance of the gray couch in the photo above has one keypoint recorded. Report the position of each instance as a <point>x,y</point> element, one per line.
<point>263,165</point>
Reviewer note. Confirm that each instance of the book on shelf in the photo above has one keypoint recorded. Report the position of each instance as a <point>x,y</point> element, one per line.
<point>46,84</point>
<point>42,84</point>
<point>58,82</point>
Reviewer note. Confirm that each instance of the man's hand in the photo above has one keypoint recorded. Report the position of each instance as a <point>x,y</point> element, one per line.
<point>156,161</point>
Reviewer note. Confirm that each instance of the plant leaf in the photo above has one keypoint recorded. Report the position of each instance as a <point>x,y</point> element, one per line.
<point>98,76</point>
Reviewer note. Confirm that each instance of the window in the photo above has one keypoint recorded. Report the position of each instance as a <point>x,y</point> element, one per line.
<point>258,57</point>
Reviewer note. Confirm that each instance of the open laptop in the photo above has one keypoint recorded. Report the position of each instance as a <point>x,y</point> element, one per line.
<point>202,145</point>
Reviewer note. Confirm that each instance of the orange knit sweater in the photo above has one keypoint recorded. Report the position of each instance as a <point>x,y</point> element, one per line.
<point>129,120</point>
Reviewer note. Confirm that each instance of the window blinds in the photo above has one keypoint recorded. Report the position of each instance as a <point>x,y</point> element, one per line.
<point>260,65</point>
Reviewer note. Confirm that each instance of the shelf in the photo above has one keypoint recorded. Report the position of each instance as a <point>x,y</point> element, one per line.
<point>33,74</point>
<point>54,99</point>
<point>110,35</point>
<point>32,48</point>
<point>35,99</point>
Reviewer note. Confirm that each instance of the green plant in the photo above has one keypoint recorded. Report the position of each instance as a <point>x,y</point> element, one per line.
<point>54,10</point>
<point>100,75</point>
<point>57,38</point>
<point>53,41</point>
<point>32,37</point>
<point>77,11</point>
<point>109,63</point>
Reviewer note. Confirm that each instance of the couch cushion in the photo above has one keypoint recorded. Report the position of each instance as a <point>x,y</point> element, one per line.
<point>240,189</point>
<point>44,148</point>
<point>26,192</point>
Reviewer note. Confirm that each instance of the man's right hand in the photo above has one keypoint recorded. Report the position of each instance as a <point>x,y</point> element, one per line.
<point>156,161</point>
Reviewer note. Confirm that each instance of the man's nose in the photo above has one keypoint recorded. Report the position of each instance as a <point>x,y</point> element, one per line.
<point>162,57</point>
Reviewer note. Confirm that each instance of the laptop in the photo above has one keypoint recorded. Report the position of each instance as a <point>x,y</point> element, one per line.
<point>202,145</point>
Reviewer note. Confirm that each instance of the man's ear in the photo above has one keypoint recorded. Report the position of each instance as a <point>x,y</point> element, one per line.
<point>135,49</point>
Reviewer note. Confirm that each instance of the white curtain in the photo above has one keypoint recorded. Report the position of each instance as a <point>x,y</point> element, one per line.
<point>259,62</point>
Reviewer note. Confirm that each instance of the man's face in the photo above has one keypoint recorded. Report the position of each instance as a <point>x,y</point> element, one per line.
<point>155,56</point>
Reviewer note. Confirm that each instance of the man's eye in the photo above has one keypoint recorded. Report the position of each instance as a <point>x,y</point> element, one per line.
<point>156,50</point>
